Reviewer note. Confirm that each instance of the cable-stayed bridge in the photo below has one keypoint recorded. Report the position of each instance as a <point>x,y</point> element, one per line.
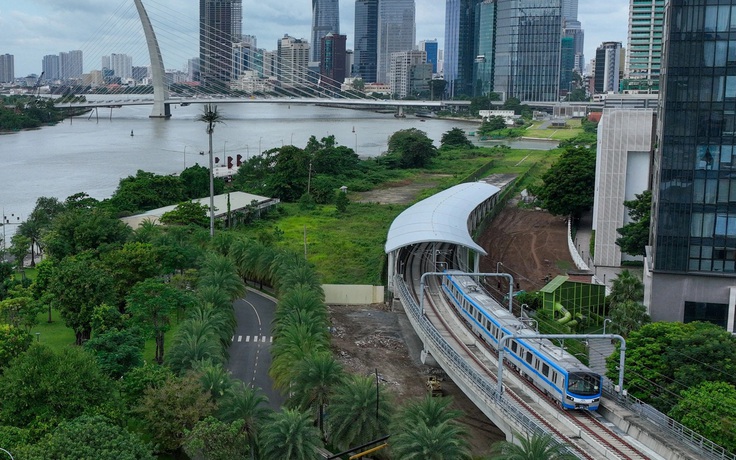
<point>302,86</point>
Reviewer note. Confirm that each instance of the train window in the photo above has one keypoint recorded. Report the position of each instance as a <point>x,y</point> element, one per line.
<point>536,364</point>
<point>545,370</point>
<point>529,357</point>
<point>554,377</point>
<point>513,346</point>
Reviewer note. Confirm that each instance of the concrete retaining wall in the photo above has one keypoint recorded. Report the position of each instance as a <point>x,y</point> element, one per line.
<point>353,294</point>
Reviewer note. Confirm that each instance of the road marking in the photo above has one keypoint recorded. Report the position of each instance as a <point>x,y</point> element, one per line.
<point>263,339</point>
<point>256,312</point>
<point>240,338</point>
<point>247,338</point>
<point>233,339</point>
<point>271,341</point>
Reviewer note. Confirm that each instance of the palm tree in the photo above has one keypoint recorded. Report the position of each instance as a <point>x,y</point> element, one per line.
<point>534,447</point>
<point>355,418</point>
<point>212,295</point>
<point>444,441</point>
<point>626,286</point>
<point>628,316</point>
<point>214,378</point>
<point>430,411</point>
<point>290,434</point>
<point>194,341</point>
<point>300,275</point>
<point>315,378</point>
<point>292,345</point>
<point>220,271</point>
<point>242,402</point>
<point>211,117</point>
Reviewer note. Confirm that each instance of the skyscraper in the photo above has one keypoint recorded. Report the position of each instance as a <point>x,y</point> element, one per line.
<point>71,65</point>
<point>485,44</point>
<point>366,40</point>
<point>460,38</point>
<point>396,32</point>
<point>293,59</point>
<point>690,269</point>
<point>220,25</point>
<point>644,52</point>
<point>325,20</point>
<point>528,41</point>
<point>607,67</point>
<point>431,48</point>
<point>7,68</point>
<point>334,58</point>
<point>121,65</point>
<point>50,67</point>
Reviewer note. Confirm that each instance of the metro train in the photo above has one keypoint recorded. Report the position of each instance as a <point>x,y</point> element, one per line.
<point>549,367</point>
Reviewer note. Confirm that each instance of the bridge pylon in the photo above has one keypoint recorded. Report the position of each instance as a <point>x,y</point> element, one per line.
<point>161,109</point>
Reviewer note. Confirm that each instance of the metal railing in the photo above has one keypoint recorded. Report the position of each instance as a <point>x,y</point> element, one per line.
<point>674,428</point>
<point>484,388</point>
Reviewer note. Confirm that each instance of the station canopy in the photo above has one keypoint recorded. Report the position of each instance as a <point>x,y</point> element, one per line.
<point>441,218</point>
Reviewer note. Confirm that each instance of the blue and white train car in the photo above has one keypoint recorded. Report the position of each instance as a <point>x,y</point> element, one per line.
<point>558,373</point>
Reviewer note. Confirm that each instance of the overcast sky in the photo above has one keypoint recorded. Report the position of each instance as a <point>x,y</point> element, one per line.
<point>31,29</point>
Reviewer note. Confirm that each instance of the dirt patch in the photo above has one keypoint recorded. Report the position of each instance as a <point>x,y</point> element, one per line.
<point>531,244</point>
<point>405,192</point>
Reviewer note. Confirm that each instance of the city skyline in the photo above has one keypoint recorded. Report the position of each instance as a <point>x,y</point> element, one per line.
<point>35,28</point>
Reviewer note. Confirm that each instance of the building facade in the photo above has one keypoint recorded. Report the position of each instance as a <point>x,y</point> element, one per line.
<point>460,40</point>
<point>121,65</point>
<point>690,268</point>
<point>50,67</point>
<point>485,47</point>
<point>71,65</point>
<point>409,69</point>
<point>7,68</point>
<point>325,20</point>
<point>623,155</point>
<point>528,42</point>
<point>396,32</point>
<point>644,49</point>
<point>220,25</point>
<point>365,43</point>
<point>430,47</point>
<point>607,68</point>
<point>332,67</point>
<point>292,61</point>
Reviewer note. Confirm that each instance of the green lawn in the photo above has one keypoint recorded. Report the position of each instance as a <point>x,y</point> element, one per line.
<point>574,128</point>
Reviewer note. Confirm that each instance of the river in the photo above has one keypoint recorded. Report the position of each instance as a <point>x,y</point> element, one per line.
<point>92,153</point>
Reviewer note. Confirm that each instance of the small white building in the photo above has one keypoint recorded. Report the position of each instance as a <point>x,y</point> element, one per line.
<point>508,115</point>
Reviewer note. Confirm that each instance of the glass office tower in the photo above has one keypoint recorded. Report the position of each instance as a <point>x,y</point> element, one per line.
<point>460,39</point>
<point>485,41</point>
<point>325,20</point>
<point>365,51</point>
<point>528,42</point>
<point>220,25</point>
<point>396,32</point>
<point>691,266</point>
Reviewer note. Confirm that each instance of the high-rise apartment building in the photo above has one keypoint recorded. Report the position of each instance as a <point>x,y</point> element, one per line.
<point>220,25</point>
<point>50,67</point>
<point>404,69</point>
<point>644,52</point>
<point>325,20</point>
<point>7,68</point>
<point>121,65</point>
<point>460,38</point>
<point>396,32</point>
<point>484,49</point>
<point>366,40</point>
<point>574,30</point>
<point>332,66</point>
<point>690,269</point>
<point>71,65</point>
<point>528,41</point>
<point>607,68</point>
<point>293,59</point>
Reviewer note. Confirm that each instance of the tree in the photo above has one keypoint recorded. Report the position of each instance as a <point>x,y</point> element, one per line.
<point>89,437</point>
<point>455,138</point>
<point>635,235</point>
<point>131,264</point>
<point>19,249</point>
<point>146,191</point>
<point>196,182</point>
<point>569,184</point>
<point>355,416</point>
<point>315,378</point>
<point>491,124</point>
<point>248,405</point>
<point>428,429</point>
<point>210,116</point>
<point>187,213</point>
<point>41,388</point>
<point>117,352</point>
<point>627,316</point>
<point>437,88</point>
<point>290,434</point>
<point>82,228</point>
<point>662,359</point>
<point>534,447</point>
<point>195,341</point>
<point>626,286</point>
<point>341,202</point>
<point>710,410</point>
<point>212,439</point>
<point>151,304</point>
<point>13,342</point>
<point>412,147</point>
<point>170,410</point>
<point>139,379</point>
<point>76,287</point>
<point>220,272</point>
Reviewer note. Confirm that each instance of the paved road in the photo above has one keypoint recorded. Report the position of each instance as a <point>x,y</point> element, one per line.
<point>250,355</point>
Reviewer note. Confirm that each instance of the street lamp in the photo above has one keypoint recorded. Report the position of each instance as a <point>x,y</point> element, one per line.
<point>607,320</point>
<point>259,145</point>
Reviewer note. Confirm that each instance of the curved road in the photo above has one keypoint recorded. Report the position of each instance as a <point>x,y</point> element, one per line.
<point>250,355</point>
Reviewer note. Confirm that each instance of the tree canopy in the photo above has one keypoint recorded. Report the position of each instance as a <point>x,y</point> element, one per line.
<point>412,148</point>
<point>569,185</point>
<point>635,235</point>
<point>456,139</point>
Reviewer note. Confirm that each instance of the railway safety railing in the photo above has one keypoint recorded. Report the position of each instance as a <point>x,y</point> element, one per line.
<point>703,445</point>
<point>483,387</point>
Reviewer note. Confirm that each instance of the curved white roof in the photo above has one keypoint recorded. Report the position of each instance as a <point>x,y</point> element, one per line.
<point>442,217</point>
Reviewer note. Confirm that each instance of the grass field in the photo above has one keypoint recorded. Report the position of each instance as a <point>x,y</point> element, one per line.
<point>573,129</point>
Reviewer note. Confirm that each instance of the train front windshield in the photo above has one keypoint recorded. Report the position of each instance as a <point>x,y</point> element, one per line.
<point>584,384</point>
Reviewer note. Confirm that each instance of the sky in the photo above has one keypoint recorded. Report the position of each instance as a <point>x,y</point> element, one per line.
<point>31,29</point>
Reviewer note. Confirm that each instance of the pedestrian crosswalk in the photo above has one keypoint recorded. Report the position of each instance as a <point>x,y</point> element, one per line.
<point>253,338</point>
